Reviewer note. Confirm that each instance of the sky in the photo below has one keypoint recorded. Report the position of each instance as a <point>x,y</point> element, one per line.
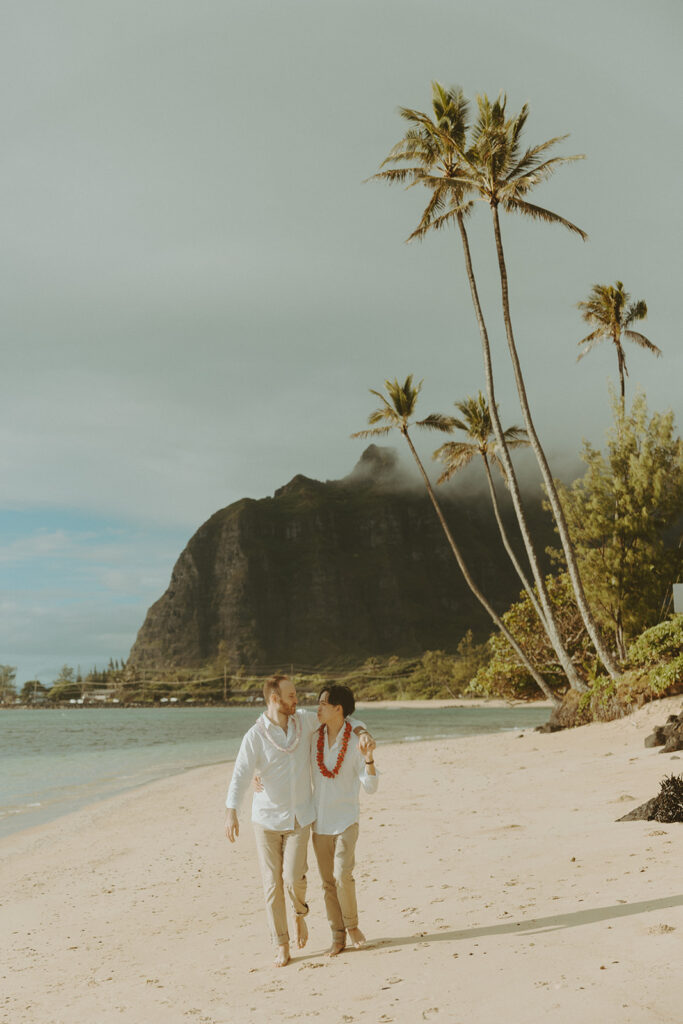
<point>199,287</point>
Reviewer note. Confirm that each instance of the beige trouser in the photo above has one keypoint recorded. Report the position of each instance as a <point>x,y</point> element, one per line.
<point>336,856</point>
<point>282,856</point>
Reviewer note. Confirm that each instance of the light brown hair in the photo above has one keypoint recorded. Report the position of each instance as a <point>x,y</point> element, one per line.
<point>272,685</point>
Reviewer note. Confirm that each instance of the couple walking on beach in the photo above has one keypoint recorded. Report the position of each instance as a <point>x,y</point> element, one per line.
<point>310,769</point>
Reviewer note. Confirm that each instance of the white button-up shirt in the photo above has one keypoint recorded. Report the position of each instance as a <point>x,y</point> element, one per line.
<point>336,800</point>
<point>285,773</point>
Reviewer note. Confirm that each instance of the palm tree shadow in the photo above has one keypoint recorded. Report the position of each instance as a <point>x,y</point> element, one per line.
<point>536,925</point>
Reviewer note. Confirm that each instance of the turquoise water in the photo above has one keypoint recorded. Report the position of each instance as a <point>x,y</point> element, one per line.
<point>53,762</point>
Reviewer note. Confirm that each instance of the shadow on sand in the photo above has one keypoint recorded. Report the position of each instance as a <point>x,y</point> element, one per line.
<point>536,925</point>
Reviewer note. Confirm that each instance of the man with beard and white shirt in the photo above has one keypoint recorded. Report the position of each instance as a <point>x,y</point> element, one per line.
<point>277,748</point>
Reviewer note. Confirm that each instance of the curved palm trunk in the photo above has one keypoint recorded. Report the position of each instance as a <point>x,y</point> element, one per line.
<point>548,619</point>
<point>622,366</point>
<point>508,547</point>
<point>572,567</point>
<point>537,677</point>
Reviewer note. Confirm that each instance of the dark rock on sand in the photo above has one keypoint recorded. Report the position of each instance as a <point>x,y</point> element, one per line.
<point>666,807</point>
<point>668,736</point>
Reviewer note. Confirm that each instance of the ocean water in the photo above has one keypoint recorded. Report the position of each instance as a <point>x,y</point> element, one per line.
<point>55,761</point>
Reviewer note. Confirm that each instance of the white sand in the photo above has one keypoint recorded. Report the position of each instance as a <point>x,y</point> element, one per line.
<point>493,881</point>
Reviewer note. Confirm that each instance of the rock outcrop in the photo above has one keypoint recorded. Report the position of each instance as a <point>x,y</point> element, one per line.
<point>330,573</point>
<point>668,736</point>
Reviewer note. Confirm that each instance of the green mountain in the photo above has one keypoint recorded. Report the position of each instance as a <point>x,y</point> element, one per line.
<point>330,573</point>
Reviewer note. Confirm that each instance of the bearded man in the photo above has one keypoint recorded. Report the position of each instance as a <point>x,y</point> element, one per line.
<point>277,749</point>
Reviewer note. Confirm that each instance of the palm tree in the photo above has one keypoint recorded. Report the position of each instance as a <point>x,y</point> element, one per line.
<point>476,424</point>
<point>503,175</point>
<point>609,311</point>
<point>435,146</point>
<point>394,414</point>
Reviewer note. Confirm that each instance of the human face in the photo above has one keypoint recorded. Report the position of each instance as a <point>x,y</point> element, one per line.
<point>327,712</point>
<point>287,699</point>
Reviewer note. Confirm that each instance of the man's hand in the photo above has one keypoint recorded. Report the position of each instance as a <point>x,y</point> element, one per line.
<point>232,825</point>
<point>366,744</point>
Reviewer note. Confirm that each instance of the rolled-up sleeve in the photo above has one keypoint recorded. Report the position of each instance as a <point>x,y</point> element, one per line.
<point>367,781</point>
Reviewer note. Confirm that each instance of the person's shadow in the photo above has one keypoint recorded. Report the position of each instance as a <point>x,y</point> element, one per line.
<point>535,924</point>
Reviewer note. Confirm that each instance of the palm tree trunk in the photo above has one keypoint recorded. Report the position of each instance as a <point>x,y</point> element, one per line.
<point>508,547</point>
<point>548,619</point>
<point>537,677</point>
<point>622,381</point>
<point>551,491</point>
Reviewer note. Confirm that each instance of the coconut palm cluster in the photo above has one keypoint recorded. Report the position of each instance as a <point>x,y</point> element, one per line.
<point>465,156</point>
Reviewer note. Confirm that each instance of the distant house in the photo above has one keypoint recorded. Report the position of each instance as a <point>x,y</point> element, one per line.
<point>100,695</point>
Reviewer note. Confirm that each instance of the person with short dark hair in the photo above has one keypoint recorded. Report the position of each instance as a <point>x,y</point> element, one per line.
<point>277,748</point>
<point>340,767</point>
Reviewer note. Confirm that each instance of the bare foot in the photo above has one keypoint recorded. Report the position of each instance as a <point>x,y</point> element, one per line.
<point>301,932</point>
<point>282,955</point>
<point>337,947</point>
<point>357,938</point>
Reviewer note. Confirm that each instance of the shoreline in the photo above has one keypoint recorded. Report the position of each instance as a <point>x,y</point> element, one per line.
<point>24,817</point>
<point>419,702</point>
<point>496,858</point>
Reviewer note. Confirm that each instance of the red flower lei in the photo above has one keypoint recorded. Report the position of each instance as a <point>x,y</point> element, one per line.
<point>342,753</point>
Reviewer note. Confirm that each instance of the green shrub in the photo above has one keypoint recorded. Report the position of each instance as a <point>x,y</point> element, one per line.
<point>668,677</point>
<point>659,643</point>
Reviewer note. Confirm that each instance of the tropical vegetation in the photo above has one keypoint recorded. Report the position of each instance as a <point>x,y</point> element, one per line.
<point>395,413</point>
<point>617,561</point>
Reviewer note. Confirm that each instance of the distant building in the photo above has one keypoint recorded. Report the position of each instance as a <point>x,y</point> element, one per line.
<point>100,695</point>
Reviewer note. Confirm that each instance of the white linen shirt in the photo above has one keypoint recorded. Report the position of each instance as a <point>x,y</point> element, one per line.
<point>336,800</point>
<point>286,798</point>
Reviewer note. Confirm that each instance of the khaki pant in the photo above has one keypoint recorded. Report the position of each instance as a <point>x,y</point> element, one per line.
<point>282,857</point>
<point>336,856</point>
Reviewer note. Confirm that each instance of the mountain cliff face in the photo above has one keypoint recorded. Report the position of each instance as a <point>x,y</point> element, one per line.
<point>325,573</point>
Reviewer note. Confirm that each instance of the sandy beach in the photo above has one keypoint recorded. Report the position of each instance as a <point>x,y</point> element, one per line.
<point>493,885</point>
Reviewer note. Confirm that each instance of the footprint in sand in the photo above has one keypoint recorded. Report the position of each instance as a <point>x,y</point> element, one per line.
<point>661,929</point>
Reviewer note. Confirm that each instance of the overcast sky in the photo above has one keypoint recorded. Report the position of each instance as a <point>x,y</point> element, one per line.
<point>198,289</point>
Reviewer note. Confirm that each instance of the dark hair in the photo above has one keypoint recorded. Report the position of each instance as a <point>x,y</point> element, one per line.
<point>338,695</point>
<point>272,685</point>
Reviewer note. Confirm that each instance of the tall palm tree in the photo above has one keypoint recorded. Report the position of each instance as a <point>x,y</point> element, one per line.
<point>477,426</point>
<point>395,414</point>
<point>435,148</point>
<point>608,310</point>
<point>503,175</point>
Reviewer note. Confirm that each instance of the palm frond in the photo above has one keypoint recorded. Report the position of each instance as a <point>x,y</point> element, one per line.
<point>519,442</point>
<point>456,455</point>
<point>515,437</point>
<point>540,213</point>
<point>530,164</point>
<point>376,432</point>
<point>595,335</point>
<point>437,223</point>
<point>636,311</point>
<point>396,175</point>
<point>644,342</point>
<point>590,342</point>
<point>437,421</point>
